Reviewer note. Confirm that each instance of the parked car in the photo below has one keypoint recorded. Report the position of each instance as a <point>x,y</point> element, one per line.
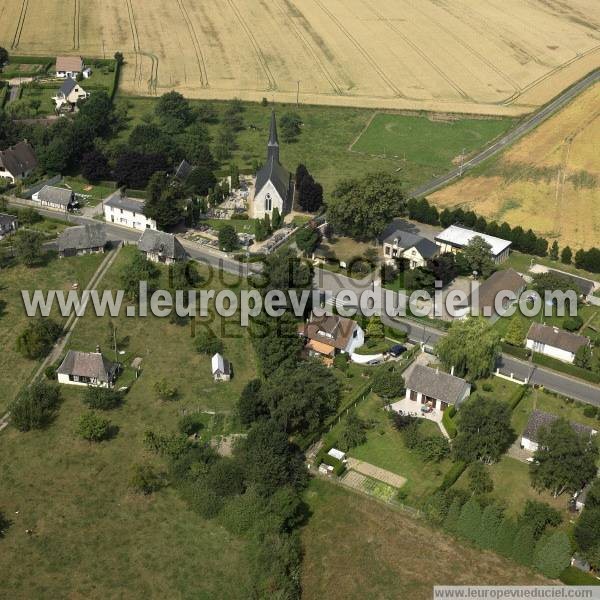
<point>397,350</point>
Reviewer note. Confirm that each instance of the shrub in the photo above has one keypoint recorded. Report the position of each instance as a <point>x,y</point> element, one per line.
<point>190,424</point>
<point>553,554</point>
<point>35,406</point>
<point>164,390</point>
<point>241,512</point>
<point>208,344</point>
<point>448,422</point>
<point>480,481</point>
<point>388,383</point>
<point>573,323</point>
<point>93,428</point>
<point>590,411</point>
<point>50,372</point>
<point>102,398</point>
<point>37,339</point>
<point>354,432</point>
<point>487,387</point>
<point>451,477</point>
<point>145,480</point>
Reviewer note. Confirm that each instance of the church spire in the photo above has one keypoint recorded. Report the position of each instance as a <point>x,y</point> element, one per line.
<point>273,145</point>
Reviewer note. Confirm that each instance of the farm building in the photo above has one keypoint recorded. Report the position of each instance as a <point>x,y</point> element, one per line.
<point>87,368</point>
<point>161,247</point>
<point>128,212</point>
<point>329,334</point>
<point>415,249</point>
<point>539,420</point>
<point>554,342</point>
<point>221,368</point>
<point>456,238</point>
<point>82,239</point>
<point>274,187</point>
<point>8,224</point>
<point>17,162</point>
<point>68,95</point>
<point>56,198</point>
<point>429,392</point>
<point>68,66</point>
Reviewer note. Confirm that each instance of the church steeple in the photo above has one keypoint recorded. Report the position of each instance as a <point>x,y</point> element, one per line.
<point>273,144</point>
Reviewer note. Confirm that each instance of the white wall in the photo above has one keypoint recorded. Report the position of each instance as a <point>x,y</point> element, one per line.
<point>528,444</point>
<point>63,378</point>
<point>128,218</point>
<point>259,201</point>
<point>557,353</point>
<point>355,342</point>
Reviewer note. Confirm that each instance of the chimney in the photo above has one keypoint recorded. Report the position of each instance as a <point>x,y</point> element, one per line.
<point>98,348</point>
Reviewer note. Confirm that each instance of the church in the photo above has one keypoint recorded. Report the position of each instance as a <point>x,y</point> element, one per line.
<point>274,186</point>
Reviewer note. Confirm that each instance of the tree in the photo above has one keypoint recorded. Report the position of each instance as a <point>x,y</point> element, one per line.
<point>4,524</point>
<point>136,270</point>
<point>94,166</point>
<point>375,328</point>
<point>3,56</point>
<point>277,221</point>
<point>38,338</point>
<point>164,201</point>
<point>523,546</point>
<point>480,481</point>
<point>174,111</point>
<point>208,343</point>
<point>583,357</point>
<point>165,390</point>
<point>551,282</point>
<point>471,346</point>
<point>228,238</point>
<point>573,323</point>
<point>145,480</point>
<point>564,461</point>
<point>387,383</point>
<point>469,522</point>
<point>259,230</point>
<point>226,477</point>
<point>134,169</point>
<point>451,520</point>
<point>490,521</point>
<point>92,427</point>
<point>284,271</point>
<point>484,430</point>
<point>309,193</point>
<point>224,142</point>
<point>539,515</point>
<point>96,113</point>
<point>553,554</point>
<point>290,124</point>
<point>362,208</point>
<point>102,398</point>
<point>554,251</point>
<point>27,246</point>
<point>505,538</point>
<point>118,56</point>
<point>419,279</point>
<point>354,432</point>
<point>307,239</point>
<point>251,405</point>
<point>35,406</point>
<point>477,255</point>
<point>566,255</point>
<point>516,332</point>
<point>587,531</point>
<point>443,267</point>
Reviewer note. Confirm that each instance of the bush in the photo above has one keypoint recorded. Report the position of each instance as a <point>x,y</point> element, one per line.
<point>590,411</point>
<point>573,323</point>
<point>164,390</point>
<point>102,398</point>
<point>38,338</point>
<point>487,387</point>
<point>35,406</point>
<point>50,372</point>
<point>388,383</point>
<point>354,432</point>
<point>190,424</point>
<point>448,422</point>
<point>208,344</point>
<point>451,477</point>
<point>145,480</point>
<point>93,428</point>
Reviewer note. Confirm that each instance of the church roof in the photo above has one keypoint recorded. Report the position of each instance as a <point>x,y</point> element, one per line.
<point>273,139</point>
<point>278,175</point>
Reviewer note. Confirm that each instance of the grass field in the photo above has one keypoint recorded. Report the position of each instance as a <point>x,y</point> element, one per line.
<point>356,548</point>
<point>355,53</point>
<point>550,180</point>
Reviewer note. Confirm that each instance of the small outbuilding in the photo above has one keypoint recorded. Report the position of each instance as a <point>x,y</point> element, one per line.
<point>56,198</point>
<point>87,368</point>
<point>221,368</point>
<point>82,239</point>
<point>8,224</point>
<point>68,66</point>
<point>161,247</point>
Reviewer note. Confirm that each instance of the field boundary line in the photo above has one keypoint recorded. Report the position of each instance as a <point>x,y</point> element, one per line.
<point>76,13</point>
<point>195,43</point>
<point>20,24</point>
<point>362,131</point>
<point>137,77</point>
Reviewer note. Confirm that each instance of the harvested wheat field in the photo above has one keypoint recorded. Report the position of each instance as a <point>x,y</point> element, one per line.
<point>493,57</point>
<point>549,181</point>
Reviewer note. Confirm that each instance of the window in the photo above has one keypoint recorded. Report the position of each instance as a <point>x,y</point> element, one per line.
<point>388,250</point>
<point>268,202</point>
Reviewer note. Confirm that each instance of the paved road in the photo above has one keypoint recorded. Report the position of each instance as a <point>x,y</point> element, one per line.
<point>512,136</point>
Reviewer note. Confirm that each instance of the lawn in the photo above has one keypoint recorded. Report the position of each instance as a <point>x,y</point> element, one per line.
<point>57,274</point>
<point>385,449</point>
<point>344,249</point>
<point>329,132</point>
<point>96,193</point>
<point>357,548</point>
<point>240,225</point>
<point>432,144</point>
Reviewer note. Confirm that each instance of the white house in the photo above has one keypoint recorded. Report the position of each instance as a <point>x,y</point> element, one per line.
<point>68,66</point>
<point>539,420</point>
<point>221,368</point>
<point>69,94</point>
<point>456,238</point>
<point>161,247</point>
<point>8,224</point>
<point>17,162</point>
<point>56,198</point>
<point>128,212</point>
<point>554,342</point>
<point>274,187</point>
<point>330,334</point>
<point>415,249</point>
<point>87,368</point>
<point>429,390</point>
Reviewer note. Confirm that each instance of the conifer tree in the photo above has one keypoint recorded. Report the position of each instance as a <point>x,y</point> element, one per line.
<point>469,522</point>
<point>490,520</point>
<point>523,546</point>
<point>553,554</point>
<point>505,537</point>
<point>451,520</point>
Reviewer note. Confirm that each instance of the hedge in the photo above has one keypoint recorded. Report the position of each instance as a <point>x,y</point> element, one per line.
<point>448,422</point>
<point>573,576</point>
<point>573,370</point>
<point>517,396</point>
<point>338,466</point>
<point>516,351</point>
<point>451,477</point>
<point>115,85</point>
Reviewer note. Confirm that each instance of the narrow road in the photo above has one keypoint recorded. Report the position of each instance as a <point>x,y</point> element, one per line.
<point>510,137</point>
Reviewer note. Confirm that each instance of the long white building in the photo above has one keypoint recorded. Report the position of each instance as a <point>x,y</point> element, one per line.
<point>128,212</point>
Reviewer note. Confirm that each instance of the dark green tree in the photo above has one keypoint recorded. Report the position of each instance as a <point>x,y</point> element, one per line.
<point>307,240</point>
<point>102,398</point>
<point>566,255</point>
<point>388,383</point>
<point>35,406</point>
<point>251,405</point>
<point>505,537</point>
<point>490,521</point>
<point>136,270</point>
<point>480,481</point>
<point>469,522</point>
<point>228,238</point>
<point>38,338</point>
<point>354,432</point>
<point>554,251</point>
<point>451,520</point>
<point>523,546</point>
<point>174,111</point>
<point>553,554</point>
<point>27,246</point>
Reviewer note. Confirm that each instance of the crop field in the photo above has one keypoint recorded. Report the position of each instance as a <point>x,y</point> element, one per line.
<point>549,181</point>
<point>495,57</point>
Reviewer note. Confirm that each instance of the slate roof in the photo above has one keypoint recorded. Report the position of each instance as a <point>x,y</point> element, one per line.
<point>7,220</point>
<point>117,200</point>
<point>220,364</point>
<point>19,158</point>
<point>332,330</point>
<point>406,240</point>
<point>557,338</point>
<point>183,170</point>
<point>500,281</point>
<point>82,237</point>
<point>459,237</point>
<point>69,63</point>
<point>56,195</point>
<point>539,419</point>
<point>159,242</point>
<point>586,286</point>
<point>87,364</point>
<point>278,175</point>
<point>67,87</point>
<point>436,384</point>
